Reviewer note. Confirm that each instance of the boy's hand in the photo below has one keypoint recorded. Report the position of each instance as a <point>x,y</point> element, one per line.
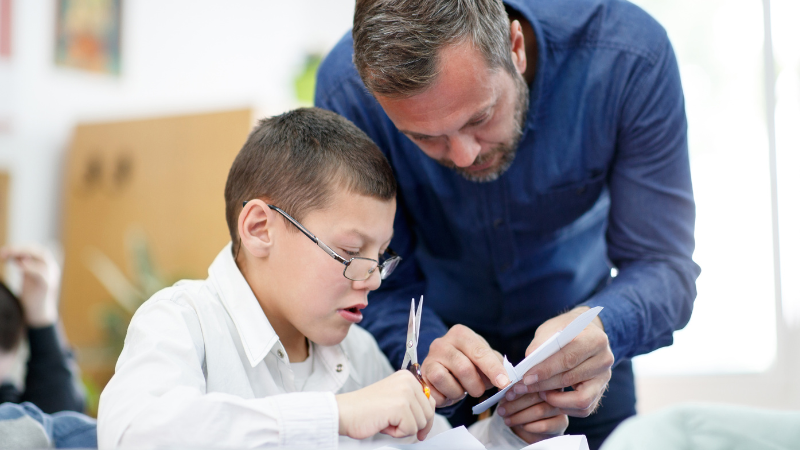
<point>396,406</point>
<point>40,279</point>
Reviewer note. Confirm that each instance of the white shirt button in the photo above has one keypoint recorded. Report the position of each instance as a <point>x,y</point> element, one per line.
<point>280,353</point>
<point>339,367</point>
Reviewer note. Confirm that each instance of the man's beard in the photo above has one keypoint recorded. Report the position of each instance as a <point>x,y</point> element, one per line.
<point>506,150</point>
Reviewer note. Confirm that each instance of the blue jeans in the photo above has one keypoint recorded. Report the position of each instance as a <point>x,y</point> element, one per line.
<point>64,429</point>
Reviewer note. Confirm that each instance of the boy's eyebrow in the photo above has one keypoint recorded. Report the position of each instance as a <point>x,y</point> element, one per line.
<point>366,238</point>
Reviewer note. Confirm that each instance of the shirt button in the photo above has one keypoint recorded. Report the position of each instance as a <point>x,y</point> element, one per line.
<point>280,353</point>
<point>498,223</point>
<point>580,190</point>
<point>339,367</point>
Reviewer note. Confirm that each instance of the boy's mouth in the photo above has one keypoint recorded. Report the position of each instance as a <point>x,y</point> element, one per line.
<point>353,313</point>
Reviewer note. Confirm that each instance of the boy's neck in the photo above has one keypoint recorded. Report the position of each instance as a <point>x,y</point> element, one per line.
<point>293,340</point>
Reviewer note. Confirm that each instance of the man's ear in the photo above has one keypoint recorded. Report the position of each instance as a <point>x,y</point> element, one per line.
<point>256,227</point>
<point>518,47</point>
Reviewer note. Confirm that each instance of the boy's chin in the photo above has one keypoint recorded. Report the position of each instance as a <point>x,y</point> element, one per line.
<point>328,335</point>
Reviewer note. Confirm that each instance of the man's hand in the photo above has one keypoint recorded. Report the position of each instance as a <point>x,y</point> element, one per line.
<point>396,406</point>
<point>584,364</point>
<point>532,419</point>
<point>459,363</point>
<point>40,279</point>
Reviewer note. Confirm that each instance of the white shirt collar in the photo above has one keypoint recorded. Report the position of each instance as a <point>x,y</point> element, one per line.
<point>257,335</point>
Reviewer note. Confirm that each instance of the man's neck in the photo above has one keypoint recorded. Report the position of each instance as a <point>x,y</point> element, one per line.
<point>531,46</point>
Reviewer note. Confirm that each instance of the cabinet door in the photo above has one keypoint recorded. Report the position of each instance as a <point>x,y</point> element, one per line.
<point>159,181</point>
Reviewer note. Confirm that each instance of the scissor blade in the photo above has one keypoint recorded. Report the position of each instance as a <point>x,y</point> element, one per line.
<point>418,319</point>
<point>411,340</point>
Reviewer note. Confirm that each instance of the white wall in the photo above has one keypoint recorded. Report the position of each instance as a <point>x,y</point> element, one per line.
<point>178,56</point>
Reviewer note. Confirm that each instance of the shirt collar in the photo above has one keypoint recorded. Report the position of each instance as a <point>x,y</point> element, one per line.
<point>257,335</point>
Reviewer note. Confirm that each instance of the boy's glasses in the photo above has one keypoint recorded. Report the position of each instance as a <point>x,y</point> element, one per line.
<point>355,268</point>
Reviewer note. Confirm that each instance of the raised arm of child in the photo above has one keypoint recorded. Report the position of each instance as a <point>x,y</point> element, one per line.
<point>50,382</point>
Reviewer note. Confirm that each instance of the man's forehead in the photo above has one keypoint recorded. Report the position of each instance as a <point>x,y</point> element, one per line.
<point>464,88</point>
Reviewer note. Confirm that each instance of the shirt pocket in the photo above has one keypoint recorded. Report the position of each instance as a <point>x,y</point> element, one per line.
<point>559,206</point>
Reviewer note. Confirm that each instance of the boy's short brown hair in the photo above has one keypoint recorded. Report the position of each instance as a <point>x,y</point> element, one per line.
<point>298,158</point>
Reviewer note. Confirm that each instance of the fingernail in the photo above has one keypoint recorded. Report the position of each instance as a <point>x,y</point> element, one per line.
<point>530,379</point>
<point>507,422</point>
<point>501,380</point>
<point>501,411</point>
<point>520,389</point>
<point>510,395</point>
<point>543,396</point>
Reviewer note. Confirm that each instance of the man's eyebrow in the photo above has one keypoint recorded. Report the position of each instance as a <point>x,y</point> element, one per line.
<point>472,119</point>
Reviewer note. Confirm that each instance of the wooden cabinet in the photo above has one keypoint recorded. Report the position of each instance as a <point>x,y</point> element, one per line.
<point>160,179</point>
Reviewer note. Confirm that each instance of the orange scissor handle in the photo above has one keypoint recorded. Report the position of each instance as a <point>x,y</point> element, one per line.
<point>417,371</point>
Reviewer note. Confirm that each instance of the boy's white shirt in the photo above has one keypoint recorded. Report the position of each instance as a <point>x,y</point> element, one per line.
<point>203,367</point>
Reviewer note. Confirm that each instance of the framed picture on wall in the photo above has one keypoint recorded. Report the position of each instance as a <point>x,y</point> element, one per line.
<point>88,35</point>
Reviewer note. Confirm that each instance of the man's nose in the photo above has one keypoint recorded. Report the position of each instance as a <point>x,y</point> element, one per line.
<point>463,150</point>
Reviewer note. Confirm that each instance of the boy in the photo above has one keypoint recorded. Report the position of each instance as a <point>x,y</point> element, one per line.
<point>263,352</point>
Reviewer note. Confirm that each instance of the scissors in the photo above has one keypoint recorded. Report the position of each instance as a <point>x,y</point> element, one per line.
<point>410,361</point>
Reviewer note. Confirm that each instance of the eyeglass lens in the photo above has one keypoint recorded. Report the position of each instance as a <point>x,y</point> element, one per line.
<point>360,269</point>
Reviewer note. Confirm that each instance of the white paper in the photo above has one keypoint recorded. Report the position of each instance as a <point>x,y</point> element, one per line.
<point>458,438</point>
<point>555,343</point>
<point>567,442</point>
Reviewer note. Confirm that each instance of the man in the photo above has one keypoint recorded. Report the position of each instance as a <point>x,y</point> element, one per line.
<point>537,144</point>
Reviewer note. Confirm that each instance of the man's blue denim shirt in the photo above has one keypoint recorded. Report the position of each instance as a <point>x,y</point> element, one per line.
<point>601,180</point>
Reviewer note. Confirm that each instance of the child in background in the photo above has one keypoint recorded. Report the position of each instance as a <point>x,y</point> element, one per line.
<point>42,415</point>
<point>50,381</point>
<point>264,352</point>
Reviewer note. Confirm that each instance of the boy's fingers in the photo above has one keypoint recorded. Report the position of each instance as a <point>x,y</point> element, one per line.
<point>423,433</point>
<point>430,412</point>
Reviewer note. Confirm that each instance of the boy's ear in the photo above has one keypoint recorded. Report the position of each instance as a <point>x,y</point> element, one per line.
<point>255,227</point>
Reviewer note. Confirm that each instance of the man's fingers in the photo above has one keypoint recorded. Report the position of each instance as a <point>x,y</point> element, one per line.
<point>535,413</point>
<point>580,402</point>
<point>597,366</point>
<point>481,354</point>
<point>443,382</point>
<point>467,374</point>
<point>566,359</point>
<point>508,408</point>
<point>551,426</point>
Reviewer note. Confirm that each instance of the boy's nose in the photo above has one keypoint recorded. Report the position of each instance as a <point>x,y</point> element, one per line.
<point>371,283</point>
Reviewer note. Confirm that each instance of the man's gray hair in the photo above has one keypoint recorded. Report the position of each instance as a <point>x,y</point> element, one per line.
<point>396,43</point>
